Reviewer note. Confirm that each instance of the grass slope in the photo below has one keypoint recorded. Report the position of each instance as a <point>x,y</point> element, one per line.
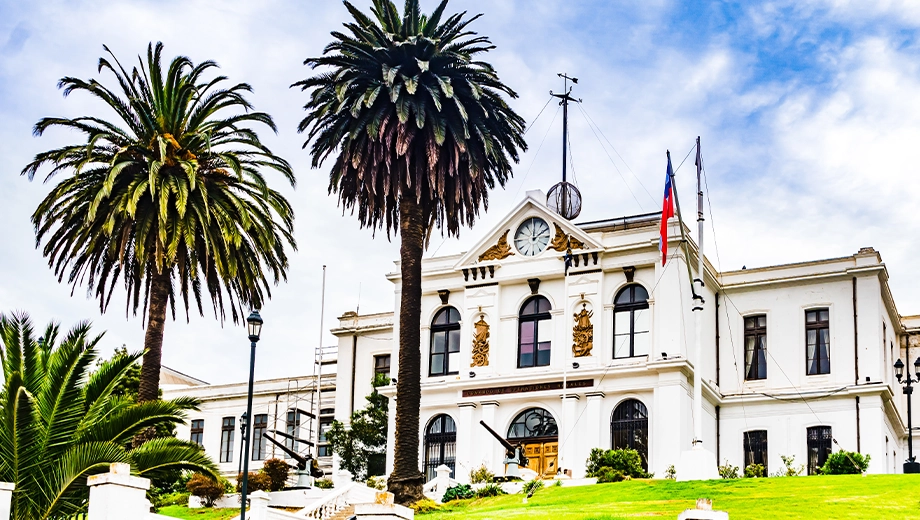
<point>203,513</point>
<point>812,498</point>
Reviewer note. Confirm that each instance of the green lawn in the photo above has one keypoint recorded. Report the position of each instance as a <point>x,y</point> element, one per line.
<point>813,498</point>
<point>203,513</point>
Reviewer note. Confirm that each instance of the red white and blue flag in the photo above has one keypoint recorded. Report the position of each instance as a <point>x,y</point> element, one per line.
<point>667,211</point>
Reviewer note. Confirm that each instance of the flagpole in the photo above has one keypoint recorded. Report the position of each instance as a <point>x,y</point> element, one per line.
<point>698,310</point>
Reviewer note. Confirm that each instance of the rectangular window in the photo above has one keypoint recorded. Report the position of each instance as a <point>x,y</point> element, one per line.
<point>755,449</point>
<point>292,428</point>
<point>197,432</point>
<point>755,347</point>
<point>259,425</point>
<point>227,428</point>
<point>382,364</point>
<point>819,447</point>
<point>817,342</point>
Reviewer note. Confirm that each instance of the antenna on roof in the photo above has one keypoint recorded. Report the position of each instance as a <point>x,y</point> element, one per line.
<point>564,198</point>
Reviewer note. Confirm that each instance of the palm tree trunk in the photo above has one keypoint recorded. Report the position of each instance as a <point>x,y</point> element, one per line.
<point>153,340</point>
<point>406,480</point>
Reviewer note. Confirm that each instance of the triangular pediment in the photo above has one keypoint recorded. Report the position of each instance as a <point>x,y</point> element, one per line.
<point>497,246</point>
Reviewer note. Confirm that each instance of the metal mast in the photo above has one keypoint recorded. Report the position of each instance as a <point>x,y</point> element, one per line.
<point>698,303</point>
<point>564,198</point>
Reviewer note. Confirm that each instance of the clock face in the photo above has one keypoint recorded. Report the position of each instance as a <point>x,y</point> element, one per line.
<point>532,236</point>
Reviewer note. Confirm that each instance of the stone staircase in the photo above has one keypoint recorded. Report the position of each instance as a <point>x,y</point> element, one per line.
<point>343,514</point>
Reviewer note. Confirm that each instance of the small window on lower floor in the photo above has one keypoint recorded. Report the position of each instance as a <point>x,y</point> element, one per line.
<point>382,364</point>
<point>755,449</point>
<point>820,441</point>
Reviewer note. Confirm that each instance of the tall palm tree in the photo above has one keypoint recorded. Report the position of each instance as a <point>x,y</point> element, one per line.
<point>168,195</point>
<point>60,422</point>
<point>421,131</point>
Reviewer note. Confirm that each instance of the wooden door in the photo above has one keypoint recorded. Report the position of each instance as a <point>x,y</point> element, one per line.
<point>541,458</point>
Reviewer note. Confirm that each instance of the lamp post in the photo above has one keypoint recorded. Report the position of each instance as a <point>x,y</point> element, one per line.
<point>254,324</point>
<point>910,465</point>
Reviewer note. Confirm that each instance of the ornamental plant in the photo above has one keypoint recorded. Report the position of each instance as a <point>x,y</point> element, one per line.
<point>845,463</point>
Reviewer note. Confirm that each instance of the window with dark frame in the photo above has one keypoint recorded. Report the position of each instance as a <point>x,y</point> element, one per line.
<point>292,428</point>
<point>197,432</point>
<point>629,428</point>
<point>228,426</point>
<point>755,347</point>
<point>631,336</point>
<point>325,450</point>
<point>820,446</point>
<point>440,444</point>
<point>755,449</point>
<point>444,358</point>
<point>382,364</point>
<point>534,333</point>
<point>259,425</point>
<point>817,342</point>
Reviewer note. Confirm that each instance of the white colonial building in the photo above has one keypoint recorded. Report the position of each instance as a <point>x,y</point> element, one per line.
<point>294,411</point>
<point>797,359</point>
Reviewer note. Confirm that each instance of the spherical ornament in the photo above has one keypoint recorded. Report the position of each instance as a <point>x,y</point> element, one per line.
<point>565,199</point>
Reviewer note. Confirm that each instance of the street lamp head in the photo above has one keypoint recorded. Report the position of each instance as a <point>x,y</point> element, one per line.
<point>244,422</point>
<point>899,369</point>
<point>254,322</point>
<point>917,368</point>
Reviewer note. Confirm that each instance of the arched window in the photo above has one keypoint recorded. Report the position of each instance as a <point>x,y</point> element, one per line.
<point>533,423</point>
<point>629,428</point>
<point>534,333</point>
<point>445,343</point>
<point>631,322</point>
<point>440,445</point>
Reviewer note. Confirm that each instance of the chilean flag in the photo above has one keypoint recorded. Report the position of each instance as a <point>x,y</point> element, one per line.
<point>667,211</point>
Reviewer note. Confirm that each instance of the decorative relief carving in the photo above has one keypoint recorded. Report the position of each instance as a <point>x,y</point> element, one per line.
<point>583,332</point>
<point>499,251</point>
<point>561,242</point>
<point>480,343</point>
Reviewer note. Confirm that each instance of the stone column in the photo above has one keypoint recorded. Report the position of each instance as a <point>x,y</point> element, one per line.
<point>488,451</point>
<point>258,506</point>
<point>6,497</point>
<point>467,457</point>
<point>569,439</point>
<point>594,427</point>
<point>117,495</point>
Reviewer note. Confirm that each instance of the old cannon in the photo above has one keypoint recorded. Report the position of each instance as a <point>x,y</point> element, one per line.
<point>514,455</point>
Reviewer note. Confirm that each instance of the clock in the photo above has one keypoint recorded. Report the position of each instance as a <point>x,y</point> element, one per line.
<point>532,236</point>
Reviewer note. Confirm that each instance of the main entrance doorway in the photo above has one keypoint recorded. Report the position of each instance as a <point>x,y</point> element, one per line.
<point>536,429</point>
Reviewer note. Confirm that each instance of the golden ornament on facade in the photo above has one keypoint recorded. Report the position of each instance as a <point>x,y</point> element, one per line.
<point>499,251</point>
<point>583,332</point>
<point>562,242</point>
<point>480,343</point>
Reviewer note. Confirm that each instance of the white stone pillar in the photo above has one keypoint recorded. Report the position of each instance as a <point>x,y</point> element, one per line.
<point>258,506</point>
<point>488,452</point>
<point>117,495</point>
<point>592,432</point>
<point>569,438</point>
<point>466,459</point>
<point>6,498</point>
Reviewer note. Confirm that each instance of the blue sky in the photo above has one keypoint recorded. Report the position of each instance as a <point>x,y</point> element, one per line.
<point>809,113</point>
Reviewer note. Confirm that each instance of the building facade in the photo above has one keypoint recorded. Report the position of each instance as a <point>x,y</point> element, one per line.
<point>283,409</point>
<point>796,360</point>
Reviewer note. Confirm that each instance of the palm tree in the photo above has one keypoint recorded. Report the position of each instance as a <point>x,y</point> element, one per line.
<point>168,195</point>
<point>421,132</point>
<point>60,422</point>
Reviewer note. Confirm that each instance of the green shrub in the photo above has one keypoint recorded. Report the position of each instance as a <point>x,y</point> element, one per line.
<point>627,462</point>
<point>458,492</point>
<point>206,488</point>
<point>379,483</point>
<point>257,481</point>
<point>754,471</point>
<point>425,505</point>
<point>170,499</point>
<point>323,483</point>
<point>728,471</point>
<point>790,469</point>
<point>490,490</point>
<point>845,463</point>
<point>532,487</point>
<point>671,473</point>
<point>481,475</point>
<point>557,483</point>
<point>277,471</point>
<point>605,475</point>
